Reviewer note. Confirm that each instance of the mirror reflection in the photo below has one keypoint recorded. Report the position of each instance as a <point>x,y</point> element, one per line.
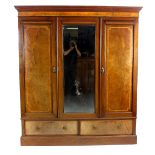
<point>79,68</point>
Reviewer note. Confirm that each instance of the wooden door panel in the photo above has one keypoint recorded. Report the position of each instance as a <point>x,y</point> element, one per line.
<point>37,68</point>
<point>39,55</point>
<point>119,63</point>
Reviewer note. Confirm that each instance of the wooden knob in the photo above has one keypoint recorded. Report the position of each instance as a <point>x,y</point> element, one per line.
<point>64,127</point>
<point>119,126</point>
<point>37,128</point>
<point>94,127</point>
<point>54,69</point>
<point>102,70</point>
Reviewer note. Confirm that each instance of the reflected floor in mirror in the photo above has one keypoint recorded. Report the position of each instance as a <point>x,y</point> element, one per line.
<point>83,103</point>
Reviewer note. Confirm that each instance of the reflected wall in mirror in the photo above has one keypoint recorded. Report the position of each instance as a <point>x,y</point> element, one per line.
<point>79,68</point>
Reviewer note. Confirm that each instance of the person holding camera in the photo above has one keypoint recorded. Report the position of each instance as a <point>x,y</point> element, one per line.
<point>70,59</point>
<point>73,46</point>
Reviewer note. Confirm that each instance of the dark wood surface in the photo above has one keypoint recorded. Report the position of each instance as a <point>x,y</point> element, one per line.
<point>84,66</point>
<point>135,69</point>
<point>79,8</point>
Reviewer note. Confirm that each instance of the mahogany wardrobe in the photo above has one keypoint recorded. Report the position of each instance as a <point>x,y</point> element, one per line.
<point>78,74</point>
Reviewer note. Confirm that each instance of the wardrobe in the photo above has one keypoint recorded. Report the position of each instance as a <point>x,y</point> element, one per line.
<point>78,74</point>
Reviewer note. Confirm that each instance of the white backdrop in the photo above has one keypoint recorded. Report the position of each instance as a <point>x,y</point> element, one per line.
<point>10,126</point>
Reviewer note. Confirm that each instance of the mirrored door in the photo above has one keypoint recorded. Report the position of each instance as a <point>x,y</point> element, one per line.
<point>79,55</point>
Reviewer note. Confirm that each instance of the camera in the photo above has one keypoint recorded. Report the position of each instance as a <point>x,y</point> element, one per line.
<point>72,44</point>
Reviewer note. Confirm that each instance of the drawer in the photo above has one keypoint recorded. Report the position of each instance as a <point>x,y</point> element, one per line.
<point>106,127</point>
<point>51,128</point>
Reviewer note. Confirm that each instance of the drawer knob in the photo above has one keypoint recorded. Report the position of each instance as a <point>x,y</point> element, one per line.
<point>64,127</point>
<point>94,127</point>
<point>37,128</point>
<point>119,126</point>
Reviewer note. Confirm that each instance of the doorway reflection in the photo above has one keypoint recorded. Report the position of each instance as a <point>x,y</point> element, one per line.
<point>79,68</point>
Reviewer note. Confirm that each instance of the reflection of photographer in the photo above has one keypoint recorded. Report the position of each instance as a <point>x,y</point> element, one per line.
<point>70,58</point>
<point>73,46</point>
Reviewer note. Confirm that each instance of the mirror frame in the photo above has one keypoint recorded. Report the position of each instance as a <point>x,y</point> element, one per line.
<point>77,21</point>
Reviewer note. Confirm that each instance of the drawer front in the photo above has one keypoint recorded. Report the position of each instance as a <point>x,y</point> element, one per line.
<point>106,127</point>
<point>51,128</point>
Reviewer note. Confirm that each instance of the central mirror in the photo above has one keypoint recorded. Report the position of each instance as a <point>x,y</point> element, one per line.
<point>79,68</point>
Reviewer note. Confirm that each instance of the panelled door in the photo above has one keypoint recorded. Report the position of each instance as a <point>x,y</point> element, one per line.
<point>117,60</point>
<point>78,67</point>
<point>38,58</point>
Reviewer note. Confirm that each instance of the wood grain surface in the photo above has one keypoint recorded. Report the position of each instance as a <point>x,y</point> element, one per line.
<point>119,64</point>
<point>51,127</point>
<point>37,67</point>
<point>106,127</point>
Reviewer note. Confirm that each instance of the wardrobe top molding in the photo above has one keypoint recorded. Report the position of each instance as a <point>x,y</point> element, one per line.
<point>96,11</point>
